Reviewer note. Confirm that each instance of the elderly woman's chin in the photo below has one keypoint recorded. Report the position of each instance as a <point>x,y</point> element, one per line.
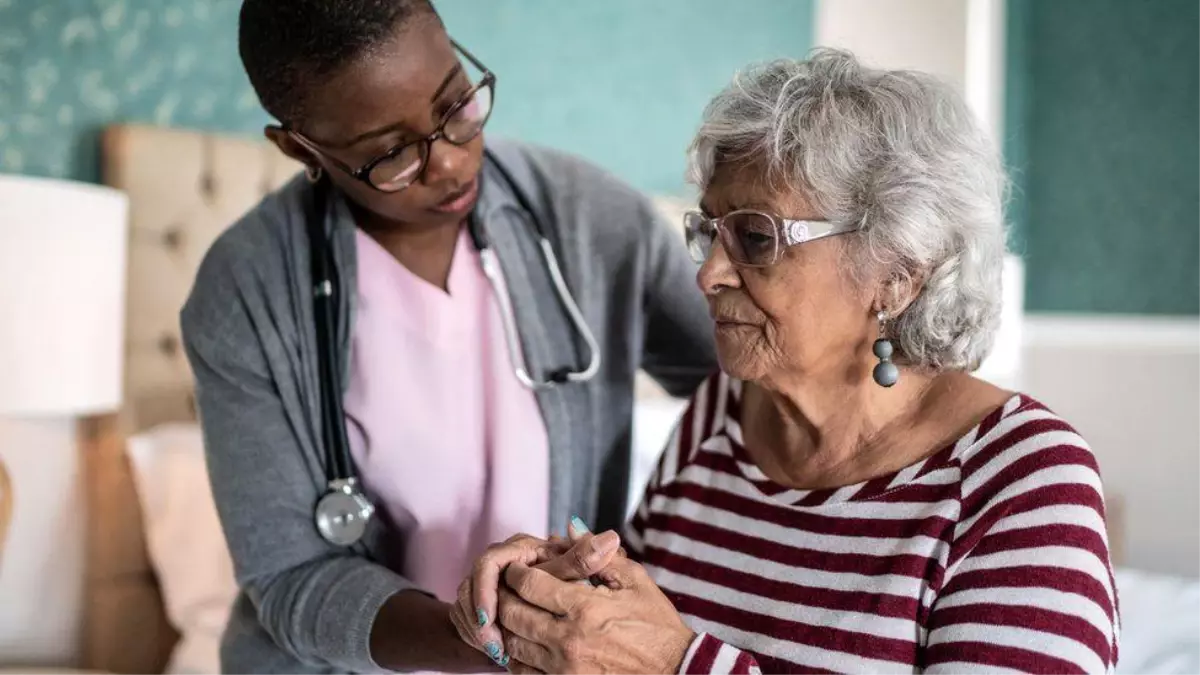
<point>741,351</point>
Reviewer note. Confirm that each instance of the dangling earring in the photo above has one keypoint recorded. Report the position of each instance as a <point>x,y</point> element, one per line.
<point>312,173</point>
<point>885,373</point>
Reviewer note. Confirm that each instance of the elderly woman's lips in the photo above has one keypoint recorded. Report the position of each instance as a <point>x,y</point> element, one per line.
<point>723,324</point>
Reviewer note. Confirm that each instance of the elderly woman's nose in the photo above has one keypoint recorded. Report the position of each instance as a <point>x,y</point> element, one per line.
<point>717,272</point>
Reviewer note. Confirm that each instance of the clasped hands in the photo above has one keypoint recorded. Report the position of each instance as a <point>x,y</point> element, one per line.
<point>575,605</point>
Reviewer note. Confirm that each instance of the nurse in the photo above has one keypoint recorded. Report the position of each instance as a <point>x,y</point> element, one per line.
<point>474,406</point>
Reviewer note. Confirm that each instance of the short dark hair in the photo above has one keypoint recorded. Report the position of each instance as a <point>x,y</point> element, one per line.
<point>284,44</point>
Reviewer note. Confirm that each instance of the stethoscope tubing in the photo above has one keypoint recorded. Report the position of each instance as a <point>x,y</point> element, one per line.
<point>343,510</point>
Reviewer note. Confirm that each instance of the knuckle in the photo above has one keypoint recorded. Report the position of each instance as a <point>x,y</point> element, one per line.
<point>480,565</point>
<point>515,649</point>
<point>579,559</point>
<point>573,647</point>
<point>525,584</point>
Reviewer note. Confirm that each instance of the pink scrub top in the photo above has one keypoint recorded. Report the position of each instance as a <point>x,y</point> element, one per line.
<point>450,446</point>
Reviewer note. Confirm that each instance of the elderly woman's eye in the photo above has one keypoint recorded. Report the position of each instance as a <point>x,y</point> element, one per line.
<point>753,237</point>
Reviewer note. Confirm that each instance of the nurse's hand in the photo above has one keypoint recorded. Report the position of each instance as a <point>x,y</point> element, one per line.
<point>627,625</point>
<point>576,559</point>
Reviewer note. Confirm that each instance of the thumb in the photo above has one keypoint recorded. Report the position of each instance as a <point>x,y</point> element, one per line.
<point>590,554</point>
<point>623,573</point>
<point>576,529</point>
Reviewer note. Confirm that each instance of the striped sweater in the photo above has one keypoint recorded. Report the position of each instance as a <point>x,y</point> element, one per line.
<point>990,555</point>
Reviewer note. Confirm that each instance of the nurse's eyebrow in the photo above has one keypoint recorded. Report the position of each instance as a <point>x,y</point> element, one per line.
<point>445,82</point>
<point>383,131</point>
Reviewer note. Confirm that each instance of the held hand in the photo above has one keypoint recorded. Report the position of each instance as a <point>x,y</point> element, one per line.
<point>626,626</point>
<point>474,612</point>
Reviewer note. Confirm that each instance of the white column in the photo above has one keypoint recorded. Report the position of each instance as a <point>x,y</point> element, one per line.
<point>960,41</point>
<point>926,35</point>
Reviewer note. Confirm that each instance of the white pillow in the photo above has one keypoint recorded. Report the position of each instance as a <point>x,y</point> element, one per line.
<point>186,545</point>
<point>654,420</point>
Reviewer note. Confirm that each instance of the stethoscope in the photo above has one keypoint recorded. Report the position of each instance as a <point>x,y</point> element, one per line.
<point>343,511</point>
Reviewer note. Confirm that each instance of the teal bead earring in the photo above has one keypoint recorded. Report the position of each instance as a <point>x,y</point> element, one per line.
<point>885,373</point>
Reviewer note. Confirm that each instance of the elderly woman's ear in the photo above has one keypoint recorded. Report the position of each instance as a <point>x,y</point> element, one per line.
<point>899,290</point>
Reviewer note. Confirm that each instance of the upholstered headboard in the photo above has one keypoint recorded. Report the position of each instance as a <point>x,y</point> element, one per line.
<point>185,188</point>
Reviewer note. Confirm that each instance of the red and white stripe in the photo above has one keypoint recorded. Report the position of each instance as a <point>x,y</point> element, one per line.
<point>991,555</point>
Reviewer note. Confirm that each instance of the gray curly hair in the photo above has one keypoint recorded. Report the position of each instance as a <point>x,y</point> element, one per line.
<point>899,154</point>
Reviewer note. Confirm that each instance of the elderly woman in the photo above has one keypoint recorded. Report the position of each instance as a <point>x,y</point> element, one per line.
<point>844,495</point>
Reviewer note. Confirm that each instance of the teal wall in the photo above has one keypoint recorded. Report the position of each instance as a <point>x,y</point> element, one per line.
<point>620,81</point>
<point>1103,135</point>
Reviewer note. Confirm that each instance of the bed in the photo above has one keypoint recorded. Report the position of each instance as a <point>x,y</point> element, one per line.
<point>159,580</point>
<point>185,188</point>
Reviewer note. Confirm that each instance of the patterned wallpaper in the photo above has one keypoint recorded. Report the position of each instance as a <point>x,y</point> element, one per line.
<point>68,67</point>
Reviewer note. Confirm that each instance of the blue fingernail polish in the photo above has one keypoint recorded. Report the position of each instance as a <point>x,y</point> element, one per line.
<point>503,662</point>
<point>493,650</point>
<point>481,617</point>
<point>577,523</point>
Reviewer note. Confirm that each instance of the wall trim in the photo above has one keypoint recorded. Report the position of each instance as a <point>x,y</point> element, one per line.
<point>1176,333</point>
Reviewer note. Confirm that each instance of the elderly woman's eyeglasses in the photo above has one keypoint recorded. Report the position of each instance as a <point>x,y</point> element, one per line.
<point>752,238</point>
<point>403,165</point>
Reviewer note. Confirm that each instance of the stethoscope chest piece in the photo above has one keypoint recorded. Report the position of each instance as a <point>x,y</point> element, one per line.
<point>343,512</point>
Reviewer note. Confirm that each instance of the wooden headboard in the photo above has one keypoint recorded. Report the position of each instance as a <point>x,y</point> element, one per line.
<point>185,188</point>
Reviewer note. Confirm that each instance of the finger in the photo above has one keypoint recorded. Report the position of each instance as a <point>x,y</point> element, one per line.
<point>530,656</point>
<point>465,632</point>
<point>541,589</point>
<point>576,528</point>
<point>623,573</point>
<point>485,576</point>
<point>485,579</point>
<point>590,554</point>
<point>558,545</point>
<point>462,613</point>
<point>518,618</point>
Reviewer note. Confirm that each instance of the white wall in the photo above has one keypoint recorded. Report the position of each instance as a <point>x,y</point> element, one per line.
<point>926,35</point>
<point>1131,387</point>
<point>41,571</point>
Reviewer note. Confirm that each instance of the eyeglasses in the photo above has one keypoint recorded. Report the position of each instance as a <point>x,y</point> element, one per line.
<point>752,238</point>
<point>403,165</point>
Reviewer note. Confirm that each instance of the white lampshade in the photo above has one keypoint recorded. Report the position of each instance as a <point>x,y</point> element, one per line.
<point>62,296</point>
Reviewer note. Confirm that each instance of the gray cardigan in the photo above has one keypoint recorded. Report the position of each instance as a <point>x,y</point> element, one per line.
<point>307,606</point>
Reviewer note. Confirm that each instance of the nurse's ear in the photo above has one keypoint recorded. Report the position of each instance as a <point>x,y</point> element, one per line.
<point>290,147</point>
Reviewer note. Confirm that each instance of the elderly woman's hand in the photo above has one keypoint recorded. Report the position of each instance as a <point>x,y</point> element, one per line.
<point>570,560</point>
<point>625,626</point>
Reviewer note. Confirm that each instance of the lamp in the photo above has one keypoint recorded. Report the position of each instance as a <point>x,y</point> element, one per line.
<point>62,297</point>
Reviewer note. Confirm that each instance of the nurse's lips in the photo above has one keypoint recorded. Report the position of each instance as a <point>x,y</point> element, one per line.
<point>460,201</point>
